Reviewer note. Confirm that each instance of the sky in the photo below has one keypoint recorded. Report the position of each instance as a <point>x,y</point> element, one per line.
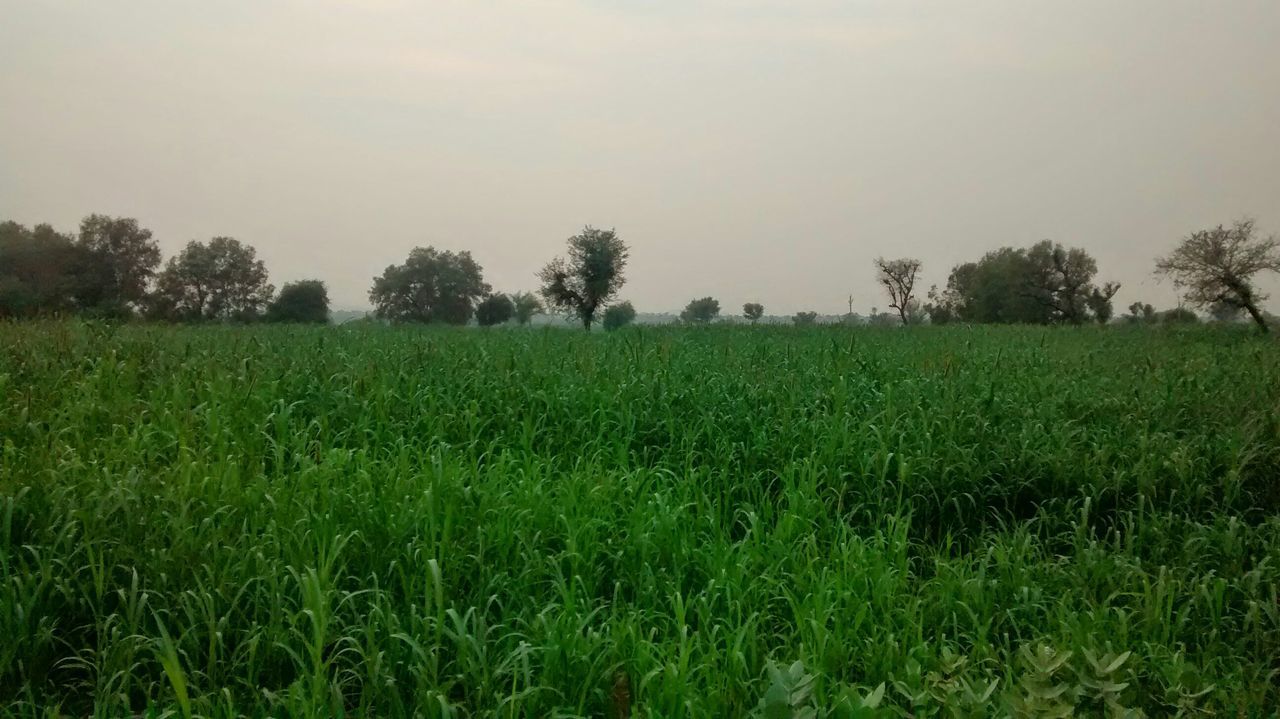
<point>751,150</point>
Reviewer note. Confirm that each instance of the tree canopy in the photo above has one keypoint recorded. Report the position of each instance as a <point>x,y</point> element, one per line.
<point>753,311</point>
<point>494,310</point>
<point>898,278</point>
<point>304,301</point>
<point>38,268</point>
<point>120,258</point>
<point>591,275</point>
<point>1218,267</point>
<point>527,305</point>
<point>222,279</point>
<point>701,310</point>
<point>431,286</point>
<point>619,316</point>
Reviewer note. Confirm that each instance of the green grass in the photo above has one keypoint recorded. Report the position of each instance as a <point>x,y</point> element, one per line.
<point>394,522</point>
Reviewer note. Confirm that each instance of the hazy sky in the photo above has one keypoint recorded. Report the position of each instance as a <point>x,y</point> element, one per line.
<point>747,149</point>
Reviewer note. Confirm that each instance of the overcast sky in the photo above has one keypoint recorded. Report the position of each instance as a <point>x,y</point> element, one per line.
<point>753,150</point>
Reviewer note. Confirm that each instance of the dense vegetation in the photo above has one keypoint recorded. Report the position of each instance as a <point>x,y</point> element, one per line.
<point>394,521</point>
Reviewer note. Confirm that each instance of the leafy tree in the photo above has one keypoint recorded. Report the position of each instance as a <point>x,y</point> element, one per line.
<point>220,280</point>
<point>1061,280</point>
<point>1099,301</point>
<point>1219,266</point>
<point>120,258</point>
<point>305,301</point>
<point>898,277</point>
<point>753,311</point>
<point>527,305</point>
<point>1140,313</point>
<point>805,319</point>
<point>619,315</point>
<point>1178,316</point>
<point>992,290</point>
<point>431,286</point>
<point>589,278</point>
<point>701,311</point>
<point>495,310</point>
<point>37,270</point>
<point>940,308</point>
<point>1224,312</point>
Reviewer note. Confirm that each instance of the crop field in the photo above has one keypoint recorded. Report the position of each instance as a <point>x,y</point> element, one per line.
<point>657,522</point>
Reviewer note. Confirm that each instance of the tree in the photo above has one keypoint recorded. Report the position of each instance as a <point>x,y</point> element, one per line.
<point>431,286</point>
<point>753,311</point>
<point>494,310</point>
<point>992,290</point>
<point>304,301</point>
<point>120,258</point>
<point>1178,316</point>
<point>619,316</point>
<point>1061,280</point>
<point>589,278</point>
<point>940,308</point>
<point>1099,301</point>
<point>805,319</point>
<point>898,277</point>
<point>37,270</point>
<point>701,311</point>
<point>527,305</point>
<point>1140,312</point>
<point>1219,265</point>
<point>1224,312</point>
<point>220,280</point>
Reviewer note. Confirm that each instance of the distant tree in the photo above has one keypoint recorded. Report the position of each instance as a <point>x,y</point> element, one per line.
<point>993,290</point>
<point>1099,301</point>
<point>619,315</point>
<point>940,308</point>
<point>805,319</point>
<point>701,310</point>
<point>527,305</point>
<point>1061,280</point>
<point>495,310</point>
<point>120,258</point>
<point>1178,316</point>
<point>219,280</point>
<point>1219,266</point>
<point>431,286</point>
<point>1225,312</point>
<point>1140,313</point>
<point>38,269</point>
<point>753,311</point>
<point>589,278</point>
<point>898,278</point>
<point>304,301</point>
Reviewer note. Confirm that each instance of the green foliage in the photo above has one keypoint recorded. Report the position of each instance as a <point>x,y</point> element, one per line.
<point>619,315</point>
<point>753,311</point>
<point>527,305</point>
<point>805,319</point>
<point>38,270</point>
<point>431,286</point>
<point>370,520</point>
<point>495,310</point>
<point>120,258</point>
<point>701,311</point>
<point>219,280</point>
<point>589,278</point>
<point>302,302</point>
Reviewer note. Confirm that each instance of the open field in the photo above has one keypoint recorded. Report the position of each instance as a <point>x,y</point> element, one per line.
<point>388,522</point>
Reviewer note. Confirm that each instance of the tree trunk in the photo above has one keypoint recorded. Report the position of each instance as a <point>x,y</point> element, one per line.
<point>1257,316</point>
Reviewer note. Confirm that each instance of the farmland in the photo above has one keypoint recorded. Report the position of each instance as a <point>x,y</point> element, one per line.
<point>670,522</point>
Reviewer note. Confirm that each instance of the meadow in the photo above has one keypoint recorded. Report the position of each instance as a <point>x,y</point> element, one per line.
<point>657,522</point>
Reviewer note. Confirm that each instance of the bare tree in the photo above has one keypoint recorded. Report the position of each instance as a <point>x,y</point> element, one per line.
<point>1217,267</point>
<point>898,277</point>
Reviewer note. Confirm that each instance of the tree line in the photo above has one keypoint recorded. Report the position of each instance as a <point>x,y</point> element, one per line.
<point>112,268</point>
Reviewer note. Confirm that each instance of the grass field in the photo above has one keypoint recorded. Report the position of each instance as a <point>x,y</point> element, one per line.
<point>393,522</point>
